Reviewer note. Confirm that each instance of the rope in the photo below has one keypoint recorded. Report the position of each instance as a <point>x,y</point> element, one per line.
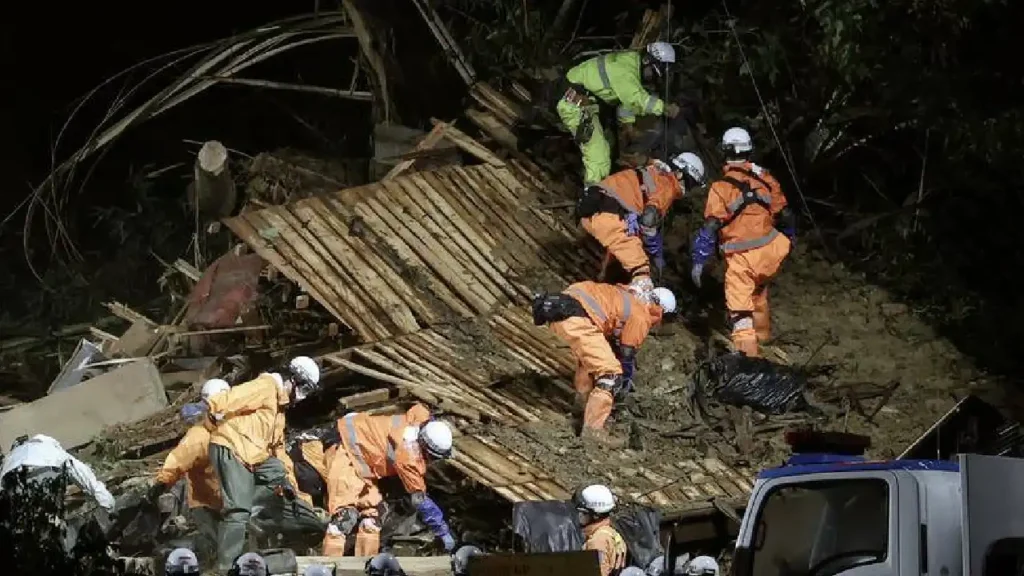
<point>771,125</point>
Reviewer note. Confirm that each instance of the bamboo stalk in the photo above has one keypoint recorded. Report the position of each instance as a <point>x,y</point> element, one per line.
<point>322,90</point>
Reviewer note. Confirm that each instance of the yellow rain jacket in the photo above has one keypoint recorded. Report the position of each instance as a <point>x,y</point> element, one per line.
<point>250,418</point>
<point>191,459</point>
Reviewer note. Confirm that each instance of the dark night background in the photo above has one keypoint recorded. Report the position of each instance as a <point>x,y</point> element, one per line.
<point>950,70</point>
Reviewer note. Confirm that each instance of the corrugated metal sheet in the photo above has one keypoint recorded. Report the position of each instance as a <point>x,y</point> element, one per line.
<point>393,257</point>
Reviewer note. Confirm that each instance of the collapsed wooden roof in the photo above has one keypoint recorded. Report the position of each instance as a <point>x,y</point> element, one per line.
<point>433,271</point>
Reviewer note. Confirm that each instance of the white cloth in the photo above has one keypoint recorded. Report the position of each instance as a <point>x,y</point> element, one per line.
<point>43,451</point>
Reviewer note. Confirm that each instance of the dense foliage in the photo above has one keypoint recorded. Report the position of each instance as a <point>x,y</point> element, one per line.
<point>32,532</point>
<point>898,125</point>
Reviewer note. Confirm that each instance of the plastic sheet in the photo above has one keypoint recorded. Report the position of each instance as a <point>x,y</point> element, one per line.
<point>756,382</point>
<point>639,526</point>
<point>549,526</point>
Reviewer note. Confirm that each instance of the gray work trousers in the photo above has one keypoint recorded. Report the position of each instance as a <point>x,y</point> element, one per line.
<point>241,490</point>
<point>206,521</point>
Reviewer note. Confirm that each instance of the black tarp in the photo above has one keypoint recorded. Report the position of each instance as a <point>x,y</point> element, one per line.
<point>547,526</point>
<point>756,382</point>
<point>640,527</point>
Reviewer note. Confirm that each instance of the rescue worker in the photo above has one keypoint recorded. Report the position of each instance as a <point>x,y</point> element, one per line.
<point>304,458</point>
<point>181,561</point>
<point>594,504</point>
<point>240,445</point>
<point>701,566</point>
<point>604,325</point>
<point>369,448</point>
<point>624,212</point>
<point>249,564</point>
<point>190,459</point>
<point>319,570</point>
<point>383,564</point>
<point>743,208</point>
<point>612,79</point>
<point>43,458</point>
<point>460,559</point>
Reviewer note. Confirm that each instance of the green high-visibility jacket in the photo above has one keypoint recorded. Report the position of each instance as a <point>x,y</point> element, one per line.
<point>615,79</point>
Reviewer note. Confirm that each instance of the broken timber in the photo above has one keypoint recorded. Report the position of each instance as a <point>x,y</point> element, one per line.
<point>432,270</point>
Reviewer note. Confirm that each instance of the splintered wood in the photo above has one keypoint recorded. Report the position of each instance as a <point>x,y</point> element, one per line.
<point>394,257</point>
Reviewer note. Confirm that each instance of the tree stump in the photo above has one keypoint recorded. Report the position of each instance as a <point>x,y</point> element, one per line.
<point>212,192</point>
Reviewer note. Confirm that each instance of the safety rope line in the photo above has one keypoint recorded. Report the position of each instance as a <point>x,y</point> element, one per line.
<point>771,125</point>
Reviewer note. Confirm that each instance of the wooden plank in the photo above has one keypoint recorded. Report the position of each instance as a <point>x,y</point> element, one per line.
<point>411,259</point>
<point>249,232</point>
<point>355,565</point>
<point>322,260</point>
<point>315,271</point>
<point>469,145</point>
<point>437,237</point>
<point>369,284</point>
<point>418,190</point>
<point>362,254</point>
<point>429,141</point>
<point>438,266</point>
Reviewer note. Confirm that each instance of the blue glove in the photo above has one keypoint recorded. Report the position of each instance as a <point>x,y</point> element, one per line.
<point>632,224</point>
<point>703,247</point>
<point>449,542</point>
<point>790,233</point>
<point>653,245</point>
<point>192,412</point>
<point>432,516</point>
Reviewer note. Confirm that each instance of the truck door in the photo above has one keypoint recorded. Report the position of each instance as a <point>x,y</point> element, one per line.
<point>992,511</point>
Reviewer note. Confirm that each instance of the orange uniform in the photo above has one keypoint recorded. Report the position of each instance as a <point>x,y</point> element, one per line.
<point>279,451</point>
<point>612,311</point>
<point>371,448</point>
<point>191,459</point>
<point>631,191</point>
<point>611,548</point>
<point>252,418</point>
<point>753,249</point>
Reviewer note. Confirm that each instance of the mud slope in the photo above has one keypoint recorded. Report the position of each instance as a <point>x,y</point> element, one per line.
<point>826,320</point>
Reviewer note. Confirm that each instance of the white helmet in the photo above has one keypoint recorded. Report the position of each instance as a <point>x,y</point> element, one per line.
<point>632,571</point>
<point>737,140</point>
<point>214,386</point>
<point>596,498</point>
<point>250,564</point>
<point>306,368</point>
<point>181,561</point>
<point>436,439</point>
<point>662,52</point>
<point>690,164</point>
<point>666,299</point>
<point>702,566</point>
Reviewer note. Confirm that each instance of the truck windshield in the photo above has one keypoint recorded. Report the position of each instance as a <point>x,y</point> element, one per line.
<point>821,528</point>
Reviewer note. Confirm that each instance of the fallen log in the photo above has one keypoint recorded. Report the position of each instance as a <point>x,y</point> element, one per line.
<point>354,565</point>
<point>212,192</point>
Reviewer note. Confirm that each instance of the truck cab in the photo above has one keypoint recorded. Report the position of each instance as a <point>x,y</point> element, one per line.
<point>828,514</point>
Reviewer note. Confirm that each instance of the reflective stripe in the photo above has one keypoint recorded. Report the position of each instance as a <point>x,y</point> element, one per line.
<point>602,71</point>
<point>741,245</point>
<point>627,306</point>
<point>652,100</point>
<point>737,203</point>
<point>622,112</point>
<point>646,188</point>
<point>353,446</point>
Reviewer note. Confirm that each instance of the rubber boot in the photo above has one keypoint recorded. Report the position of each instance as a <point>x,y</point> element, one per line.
<point>367,543</point>
<point>745,341</point>
<point>334,544</point>
<point>598,409</point>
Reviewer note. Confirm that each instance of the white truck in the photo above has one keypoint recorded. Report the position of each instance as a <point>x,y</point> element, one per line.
<point>831,514</point>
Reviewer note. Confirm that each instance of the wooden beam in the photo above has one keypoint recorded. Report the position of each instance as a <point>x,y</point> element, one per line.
<point>373,58</point>
<point>428,142</point>
<point>355,565</point>
<point>469,145</point>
